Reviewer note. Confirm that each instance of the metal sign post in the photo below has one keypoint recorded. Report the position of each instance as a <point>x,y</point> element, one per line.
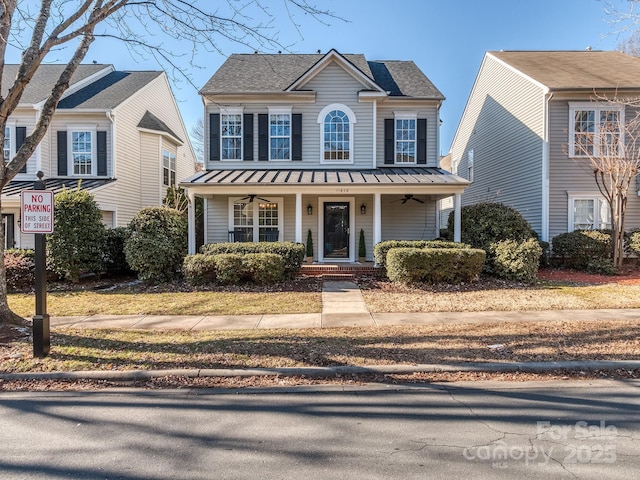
<point>37,218</point>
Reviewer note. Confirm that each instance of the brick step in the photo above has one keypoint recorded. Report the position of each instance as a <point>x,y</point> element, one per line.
<point>338,276</point>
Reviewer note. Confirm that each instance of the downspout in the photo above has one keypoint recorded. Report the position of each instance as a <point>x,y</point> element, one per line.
<point>111,117</point>
<point>544,234</point>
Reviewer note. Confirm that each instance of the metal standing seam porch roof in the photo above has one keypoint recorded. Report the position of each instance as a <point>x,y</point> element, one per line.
<point>14,187</point>
<point>326,177</point>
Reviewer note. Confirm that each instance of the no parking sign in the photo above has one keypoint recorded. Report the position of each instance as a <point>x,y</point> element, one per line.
<point>37,211</point>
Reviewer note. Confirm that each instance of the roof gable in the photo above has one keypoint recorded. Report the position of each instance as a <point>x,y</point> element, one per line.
<point>575,70</point>
<point>150,122</point>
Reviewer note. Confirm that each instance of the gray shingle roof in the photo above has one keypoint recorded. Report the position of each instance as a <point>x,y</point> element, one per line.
<point>109,91</point>
<point>267,73</point>
<point>150,122</point>
<point>574,70</point>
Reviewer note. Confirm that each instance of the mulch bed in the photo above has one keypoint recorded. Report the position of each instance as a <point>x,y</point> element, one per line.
<point>630,275</point>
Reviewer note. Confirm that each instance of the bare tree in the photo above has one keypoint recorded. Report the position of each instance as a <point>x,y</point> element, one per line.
<point>45,31</point>
<point>612,155</point>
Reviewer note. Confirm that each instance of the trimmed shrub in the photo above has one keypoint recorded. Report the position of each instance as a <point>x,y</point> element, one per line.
<point>229,268</point>
<point>292,253</point>
<point>486,223</point>
<point>114,259</point>
<point>602,267</point>
<point>578,248</point>
<point>309,246</point>
<point>157,244</point>
<point>381,249</point>
<point>78,239</point>
<point>263,268</point>
<point>633,242</point>
<point>516,260</point>
<point>199,269</point>
<point>434,265</point>
<point>20,269</point>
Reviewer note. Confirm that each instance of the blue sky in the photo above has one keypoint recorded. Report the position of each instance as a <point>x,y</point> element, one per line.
<point>445,38</point>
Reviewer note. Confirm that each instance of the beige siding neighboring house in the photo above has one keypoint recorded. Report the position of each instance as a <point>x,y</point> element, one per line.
<point>330,143</point>
<point>120,134</point>
<point>514,137</point>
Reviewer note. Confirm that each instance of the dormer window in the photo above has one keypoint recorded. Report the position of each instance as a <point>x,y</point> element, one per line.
<point>337,133</point>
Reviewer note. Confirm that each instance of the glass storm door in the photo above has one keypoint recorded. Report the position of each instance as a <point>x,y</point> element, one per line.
<point>336,230</point>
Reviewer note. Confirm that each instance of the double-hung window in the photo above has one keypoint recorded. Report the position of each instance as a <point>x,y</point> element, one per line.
<point>405,135</point>
<point>7,144</point>
<point>168,168</point>
<point>279,135</point>
<point>231,136</point>
<point>588,212</point>
<point>595,129</point>
<point>82,152</point>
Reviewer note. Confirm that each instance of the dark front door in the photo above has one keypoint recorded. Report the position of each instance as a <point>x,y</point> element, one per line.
<point>336,230</point>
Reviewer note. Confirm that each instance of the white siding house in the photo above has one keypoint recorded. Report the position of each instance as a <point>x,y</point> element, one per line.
<point>120,134</point>
<point>330,143</point>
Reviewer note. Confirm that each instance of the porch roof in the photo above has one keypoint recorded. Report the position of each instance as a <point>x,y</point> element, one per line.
<point>14,187</point>
<point>379,177</point>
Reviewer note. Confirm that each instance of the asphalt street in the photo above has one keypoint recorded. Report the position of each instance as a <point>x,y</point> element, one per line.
<point>568,429</point>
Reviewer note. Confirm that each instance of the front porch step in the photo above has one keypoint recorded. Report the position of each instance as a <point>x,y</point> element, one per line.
<point>339,271</point>
<point>338,276</point>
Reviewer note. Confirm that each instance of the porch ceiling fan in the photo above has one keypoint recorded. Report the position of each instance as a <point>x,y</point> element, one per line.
<point>407,197</point>
<point>251,198</point>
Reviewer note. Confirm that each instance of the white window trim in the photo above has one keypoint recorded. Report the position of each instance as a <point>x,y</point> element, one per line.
<point>256,227</point>
<point>281,111</point>
<point>596,107</point>
<point>352,122</point>
<point>175,170</point>
<point>94,150</point>
<point>233,111</point>
<point>405,116</point>
<point>470,165</point>
<point>572,196</point>
<point>11,126</point>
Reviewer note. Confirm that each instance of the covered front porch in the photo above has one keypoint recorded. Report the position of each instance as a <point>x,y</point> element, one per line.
<point>336,208</point>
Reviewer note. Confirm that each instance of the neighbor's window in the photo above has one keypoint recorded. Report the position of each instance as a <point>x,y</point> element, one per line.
<point>595,130</point>
<point>168,168</point>
<point>280,136</point>
<point>82,152</point>
<point>589,214</point>
<point>231,136</point>
<point>405,140</point>
<point>7,144</point>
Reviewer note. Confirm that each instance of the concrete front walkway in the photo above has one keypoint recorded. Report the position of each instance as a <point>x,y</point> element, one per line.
<point>342,306</point>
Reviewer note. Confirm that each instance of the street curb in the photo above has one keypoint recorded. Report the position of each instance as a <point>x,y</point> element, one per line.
<point>328,372</point>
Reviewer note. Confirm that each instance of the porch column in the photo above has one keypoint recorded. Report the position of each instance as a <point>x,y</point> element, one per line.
<point>457,218</point>
<point>377,219</point>
<point>298,218</point>
<point>191,215</point>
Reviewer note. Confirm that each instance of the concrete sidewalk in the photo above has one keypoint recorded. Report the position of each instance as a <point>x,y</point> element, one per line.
<point>342,306</point>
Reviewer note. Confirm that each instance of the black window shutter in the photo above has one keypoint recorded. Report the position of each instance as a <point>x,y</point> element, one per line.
<point>263,137</point>
<point>296,137</point>
<point>422,141</point>
<point>214,136</point>
<point>389,149</point>
<point>62,153</point>
<point>21,135</point>
<point>102,153</point>
<point>247,125</point>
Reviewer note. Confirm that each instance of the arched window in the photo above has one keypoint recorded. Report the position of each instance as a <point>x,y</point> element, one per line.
<point>337,133</point>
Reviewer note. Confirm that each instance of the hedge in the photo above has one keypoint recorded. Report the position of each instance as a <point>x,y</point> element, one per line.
<point>199,269</point>
<point>516,260</point>
<point>381,249</point>
<point>292,253</point>
<point>263,268</point>
<point>579,248</point>
<point>434,265</point>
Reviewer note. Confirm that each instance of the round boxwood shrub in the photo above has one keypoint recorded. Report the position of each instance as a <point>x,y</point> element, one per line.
<point>516,260</point>
<point>579,248</point>
<point>263,268</point>
<point>199,269</point>
<point>484,224</point>
<point>78,239</point>
<point>157,244</point>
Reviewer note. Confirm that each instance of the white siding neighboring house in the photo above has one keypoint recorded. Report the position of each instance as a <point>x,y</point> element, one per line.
<point>119,133</point>
<point>514,139</point>
<point>330,143</point>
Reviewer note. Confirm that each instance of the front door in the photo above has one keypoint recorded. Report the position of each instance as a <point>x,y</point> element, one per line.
<point>336,230</point>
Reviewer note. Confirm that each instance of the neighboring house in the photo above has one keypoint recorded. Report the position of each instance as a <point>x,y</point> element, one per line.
<point>515,141</point>
<point>329,143</point>
<point>119,133</point>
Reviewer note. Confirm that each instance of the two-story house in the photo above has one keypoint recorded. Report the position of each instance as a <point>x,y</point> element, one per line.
<point>516,141</point>
<point>119,133</point>
<point>330,143</point>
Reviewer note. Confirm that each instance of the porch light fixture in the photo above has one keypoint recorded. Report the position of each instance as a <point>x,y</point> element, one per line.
<point>363,209</point>
<point>309,209</point>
